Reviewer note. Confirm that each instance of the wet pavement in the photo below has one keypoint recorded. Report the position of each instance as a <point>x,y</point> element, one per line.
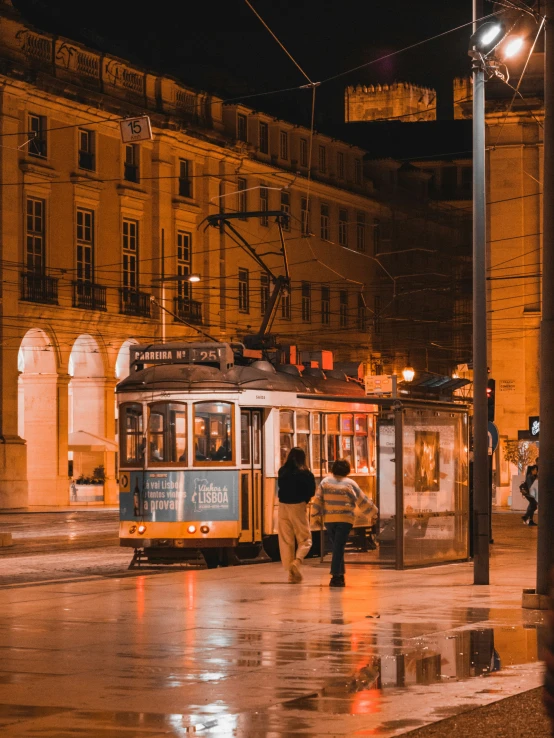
<point>239,652</point>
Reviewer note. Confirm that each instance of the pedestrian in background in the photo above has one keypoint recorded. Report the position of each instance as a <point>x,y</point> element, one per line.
<point>336,500</point>
<point>525,489</point>
<point>296,487</point>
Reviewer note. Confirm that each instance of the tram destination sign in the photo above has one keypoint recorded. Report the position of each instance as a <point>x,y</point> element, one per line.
<point>221,354</point>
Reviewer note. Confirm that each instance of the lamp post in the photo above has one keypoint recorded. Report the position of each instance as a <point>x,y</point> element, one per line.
<point>163,281</point>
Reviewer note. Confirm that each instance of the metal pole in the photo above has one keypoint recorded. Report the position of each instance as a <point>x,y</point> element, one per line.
<point>399,484</point>
<point>480,419</point>
<point>162,275</point>
<point>545,546</point>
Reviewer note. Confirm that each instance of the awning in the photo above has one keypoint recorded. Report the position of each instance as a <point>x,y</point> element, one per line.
<point>85,441</point>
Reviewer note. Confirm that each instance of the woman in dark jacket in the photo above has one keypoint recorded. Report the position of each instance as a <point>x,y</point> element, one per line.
<point>296,487</point>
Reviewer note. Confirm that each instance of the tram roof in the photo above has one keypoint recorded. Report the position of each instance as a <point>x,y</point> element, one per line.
<point>261,375</point>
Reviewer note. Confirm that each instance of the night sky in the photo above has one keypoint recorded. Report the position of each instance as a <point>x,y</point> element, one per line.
<point>222,46</point>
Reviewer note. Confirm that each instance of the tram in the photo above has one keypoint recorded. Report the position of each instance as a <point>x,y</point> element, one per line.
<point>203,430</point>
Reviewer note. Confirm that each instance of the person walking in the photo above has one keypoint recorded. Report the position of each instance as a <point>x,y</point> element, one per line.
<point>335,500</point>
<point>525,489</point>
<point>296,487</point>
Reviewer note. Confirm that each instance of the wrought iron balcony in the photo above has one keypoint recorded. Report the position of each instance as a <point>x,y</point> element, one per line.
<point>189,310</point>
<point>134,302</point>
<point>89,296</point>
<point>39,288</point>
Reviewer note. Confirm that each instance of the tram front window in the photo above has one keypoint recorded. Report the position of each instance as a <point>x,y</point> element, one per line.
<point>131,432</point>
<point>167,434</point>
<point>213,438</point>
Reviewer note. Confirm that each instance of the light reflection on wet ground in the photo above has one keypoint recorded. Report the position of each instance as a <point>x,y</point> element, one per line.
<point>222,654</point>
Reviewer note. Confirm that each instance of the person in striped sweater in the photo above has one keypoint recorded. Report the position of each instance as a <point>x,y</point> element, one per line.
<point>335,501</point>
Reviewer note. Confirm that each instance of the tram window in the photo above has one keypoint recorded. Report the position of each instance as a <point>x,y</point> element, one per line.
<point>131,435</point>
<point>303,432</point>
<point>347,423</point>
<point>333,437</point>
<point>256,438</point>
<point>303,442</point>
<point>167,434</point>
<point>362,456</point>
<point>332,423</point>
<point>361,424</point>
<point>286,424</point>
<point>316,422</point>
<point>244,439</point>
<point>302,421</point>
<point>213,436</point>
<point>348,450</point>
<point>316,455</point>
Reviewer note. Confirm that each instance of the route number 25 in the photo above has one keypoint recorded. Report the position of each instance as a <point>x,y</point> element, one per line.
<point>135,129</point>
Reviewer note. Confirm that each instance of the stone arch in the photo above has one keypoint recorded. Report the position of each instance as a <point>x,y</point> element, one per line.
<point>122,363</point>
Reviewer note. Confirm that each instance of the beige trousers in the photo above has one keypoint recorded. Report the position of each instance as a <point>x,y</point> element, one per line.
<point>293,528</point>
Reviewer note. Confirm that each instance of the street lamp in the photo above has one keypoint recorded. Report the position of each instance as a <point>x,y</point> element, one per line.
<point>175,278</point>
<point>484,42</point>
<point>408,373</point>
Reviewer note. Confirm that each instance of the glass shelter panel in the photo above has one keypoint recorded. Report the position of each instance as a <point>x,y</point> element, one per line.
<point>435,486</point>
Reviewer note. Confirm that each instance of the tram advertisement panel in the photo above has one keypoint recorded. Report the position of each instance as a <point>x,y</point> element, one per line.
<point>174,496</point>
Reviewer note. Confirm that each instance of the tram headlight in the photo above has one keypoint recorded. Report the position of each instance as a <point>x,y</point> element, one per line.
<point>204,529</point>
<point>191,529</point>
<point>141,529</point>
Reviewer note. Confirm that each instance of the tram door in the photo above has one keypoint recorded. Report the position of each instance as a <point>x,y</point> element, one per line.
<point>251,441</point>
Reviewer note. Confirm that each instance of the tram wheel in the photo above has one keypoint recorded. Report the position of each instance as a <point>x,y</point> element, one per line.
<point>211,557</point>
<point>271,547</point>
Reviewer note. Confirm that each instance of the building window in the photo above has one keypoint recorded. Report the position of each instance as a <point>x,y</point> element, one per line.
<point>285,304</point>
<point>244,291</point>
<point>306,302</point>
<point>85,245</point>
<point>322,159</point>
<point>37,134</point>
<point>264,205</point>
<point>376,235</point>
<point>343,227</point>
<point>241,127</point>
<point>35,227</point>
<point>264,292</point>
<point>130,254</point>
<point>360,231</point>
<point>131,173</point>
<point>86,150</point>
<point>340,165</point>
<point>325,305</point>
<point>358,171</point>
<point>305,216</point>
<point>303,152</point>
<point>343,309</point>
<point>324,222</point>
<point>242,204</point>
<point>264,138</point>
<point>377,314</point>
<point>283,145</point>
<point>361,312</point>
<point>285,208</point>
<point>184,264</point>
<point>185,178</point>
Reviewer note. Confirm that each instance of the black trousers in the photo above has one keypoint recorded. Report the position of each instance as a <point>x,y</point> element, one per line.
<point>338,535</point>
<point>531,507</point>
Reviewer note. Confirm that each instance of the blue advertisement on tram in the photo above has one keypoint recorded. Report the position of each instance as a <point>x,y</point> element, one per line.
<point>174,496</point>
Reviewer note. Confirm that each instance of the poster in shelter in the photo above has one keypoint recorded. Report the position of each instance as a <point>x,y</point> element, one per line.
<point>427,461</point>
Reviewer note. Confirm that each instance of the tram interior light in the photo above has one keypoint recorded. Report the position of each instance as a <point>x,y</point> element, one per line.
<point>141,528</point>
<point>191,529</point>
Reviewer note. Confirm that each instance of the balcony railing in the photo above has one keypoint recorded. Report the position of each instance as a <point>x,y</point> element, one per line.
<point>189,310</point>
<point>133,302</point>
<point>39,288</point>
<point>89,296</point>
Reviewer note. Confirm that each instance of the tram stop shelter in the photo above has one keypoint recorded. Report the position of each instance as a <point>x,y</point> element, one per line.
<point>422,476</point>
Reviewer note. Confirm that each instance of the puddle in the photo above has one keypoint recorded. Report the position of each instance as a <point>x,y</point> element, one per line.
<point>420,661</point>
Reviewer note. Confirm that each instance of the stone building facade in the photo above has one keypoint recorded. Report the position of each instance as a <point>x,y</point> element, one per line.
<point>400,100</point>
<point>89,225</point>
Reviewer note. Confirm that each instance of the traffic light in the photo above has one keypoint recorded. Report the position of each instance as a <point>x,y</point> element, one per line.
<point>490,399</point>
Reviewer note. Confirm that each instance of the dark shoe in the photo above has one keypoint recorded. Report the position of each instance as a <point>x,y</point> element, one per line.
<point>337,581</point>
<point>532,522</point>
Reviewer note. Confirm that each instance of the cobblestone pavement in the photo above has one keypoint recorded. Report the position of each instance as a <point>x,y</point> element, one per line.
<point>239,652</point>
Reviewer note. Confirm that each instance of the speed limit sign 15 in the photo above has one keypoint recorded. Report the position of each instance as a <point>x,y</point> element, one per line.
<point>136,129</point>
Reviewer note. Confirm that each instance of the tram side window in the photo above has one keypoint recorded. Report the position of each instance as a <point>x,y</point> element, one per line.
<point>347,427</point>
<point>303,432</point>
<point>213,436</point>
<point>333,438</point>
<point>167,433</point>
<point>361,438</point>
<point>286,425</point>
<point>131,434</point>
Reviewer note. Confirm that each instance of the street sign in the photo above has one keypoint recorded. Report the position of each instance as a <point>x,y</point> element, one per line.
<point>135,129</point>
<point>493,437</point>
<point>381,384</point>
